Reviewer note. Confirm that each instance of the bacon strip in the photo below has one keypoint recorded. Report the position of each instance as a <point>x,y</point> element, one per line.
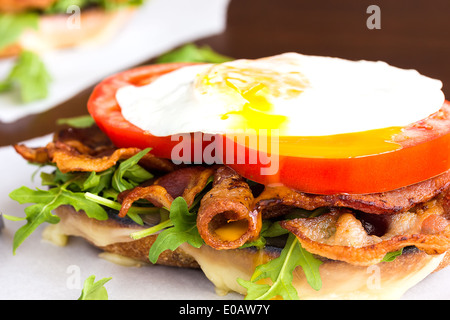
<point>155,194</point>
<point>338,235</point>
<point>67,159</point>
<point>35,155</point>
<point>184,182</point>
<point>229,200</point>
<point>87,150</point>
<point>274,201</point>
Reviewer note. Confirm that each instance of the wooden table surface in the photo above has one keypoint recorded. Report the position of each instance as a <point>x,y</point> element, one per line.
<point>414,34</point>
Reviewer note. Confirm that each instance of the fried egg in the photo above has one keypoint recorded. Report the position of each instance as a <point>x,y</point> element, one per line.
<point>299,95</point>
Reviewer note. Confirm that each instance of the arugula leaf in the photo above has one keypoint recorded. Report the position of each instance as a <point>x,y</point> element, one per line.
<point>12,26</point>
<point>391,256</point>
<point>152,230</point>
<point>94,290</point>
<point>77,122</point>
<point>184,230</point>
<point>269,229</point>
<point>280,272</point>
<point>11,218</point>
<point>30,75</point>
<point>272,229</point>
<point>29,72</point>
<point>128,168</point>
<point>83,191</point>
<point>192,53</point>
<point>96,182</point>
<point>133,212</point>
<point>45,202</point>
<point>79,181</point>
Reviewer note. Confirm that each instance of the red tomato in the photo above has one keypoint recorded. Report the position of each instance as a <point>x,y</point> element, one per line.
<point>105,110</point>
<point>424,150</point>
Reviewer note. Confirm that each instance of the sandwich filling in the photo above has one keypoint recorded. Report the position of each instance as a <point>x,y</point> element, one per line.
<point>225,211</point>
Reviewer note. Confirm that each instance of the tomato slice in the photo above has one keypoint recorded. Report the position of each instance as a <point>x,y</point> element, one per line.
<point>105,110</point>
<point>424,148</point>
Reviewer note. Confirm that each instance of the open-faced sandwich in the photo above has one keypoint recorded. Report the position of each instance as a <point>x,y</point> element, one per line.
<point>287,177</point>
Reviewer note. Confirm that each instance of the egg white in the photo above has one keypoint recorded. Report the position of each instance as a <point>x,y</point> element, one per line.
<point>337,96</point>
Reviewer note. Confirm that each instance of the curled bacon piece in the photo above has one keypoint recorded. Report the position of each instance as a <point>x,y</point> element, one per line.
<point>230,200</point>
<point>35,155</point>
<point>67,159</point>
<point>185,182</point>
<point>274,201</point>
<point>87,150</point>
<point>339,235</point>
<point>157,195</point>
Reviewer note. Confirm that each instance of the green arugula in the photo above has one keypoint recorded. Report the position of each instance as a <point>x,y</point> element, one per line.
<point>77,122</point>
<point>94,290</point>
<point>82,190</point>
<point>29,72</point>
<point>131,170</point>
<point>12,26</point>
<point>179,225</point>
<point>269,229</point>
<point>45,202</point>
<point>133,213</point>
<point>391,256</point>
<point>192,53</point>
<point>182,227</point>
<point>280,272</point>
<point>30,75</point>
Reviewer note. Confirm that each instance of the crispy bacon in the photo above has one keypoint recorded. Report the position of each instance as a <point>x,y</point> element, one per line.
<point>274,201</point>
<point>35,155</point>
<point>339,235</point>
<point>155,194</point>
<point>87,150</point>
<point>229,200</point>
<point>185,182</point>
<point>67,158</point>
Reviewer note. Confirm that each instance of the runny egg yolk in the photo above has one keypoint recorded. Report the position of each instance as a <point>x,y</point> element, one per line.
<point>256,112</point>
<point>257,88</point>
<point>252,91</point>
<point>347,145</point>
